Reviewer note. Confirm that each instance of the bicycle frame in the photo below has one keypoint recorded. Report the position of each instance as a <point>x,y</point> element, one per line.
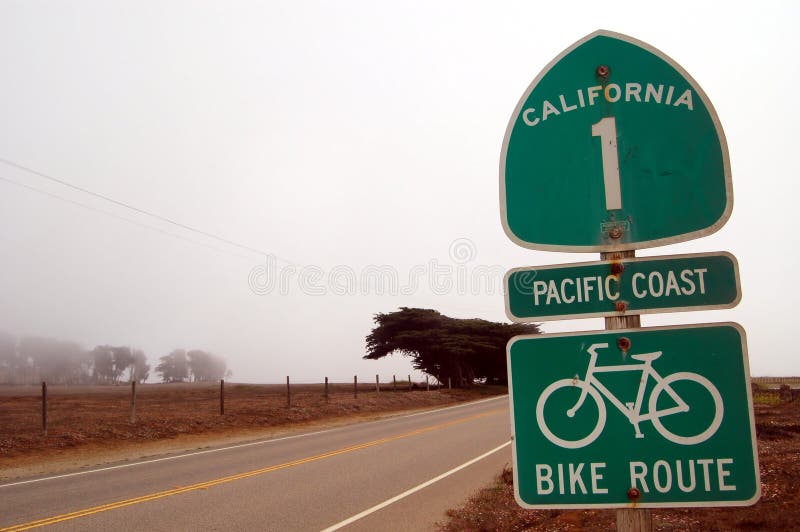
<point>632,411</point>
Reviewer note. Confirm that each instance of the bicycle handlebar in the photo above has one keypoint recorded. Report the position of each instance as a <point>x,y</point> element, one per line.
<point>594,347</point>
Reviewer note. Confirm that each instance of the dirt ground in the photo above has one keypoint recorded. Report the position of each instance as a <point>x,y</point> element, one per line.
<point>778,431</point>
<point>90,425</point>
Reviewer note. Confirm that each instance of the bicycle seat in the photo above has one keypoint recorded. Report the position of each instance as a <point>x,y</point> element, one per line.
<point>644,357</point>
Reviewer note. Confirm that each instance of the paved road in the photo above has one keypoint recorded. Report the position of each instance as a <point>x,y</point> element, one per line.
<point>344,477</point>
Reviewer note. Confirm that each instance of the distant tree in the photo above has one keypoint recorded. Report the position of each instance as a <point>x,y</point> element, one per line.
<point>122,359</point>
<point>464,350</point>
<point>173,367</point>
<point>164,368</point>
<point>205,366</point>
<point>76,365</point>
<point>64,362</point>
<point>56,361</point>
<point>103,364</point>
<point>180,365</point>
<point>140,369</point>
<point>110,363</point>
<point>9,361</point>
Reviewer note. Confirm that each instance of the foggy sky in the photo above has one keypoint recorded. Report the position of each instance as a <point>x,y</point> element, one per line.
<point>340,138</point>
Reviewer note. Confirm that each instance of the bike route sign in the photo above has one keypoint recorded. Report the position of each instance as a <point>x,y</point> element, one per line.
<point>672,283</point>
<point>613,147</point>
<point>649,417</point>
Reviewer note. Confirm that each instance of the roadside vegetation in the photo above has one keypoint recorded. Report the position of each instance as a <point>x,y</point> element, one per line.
<point>454,350</point>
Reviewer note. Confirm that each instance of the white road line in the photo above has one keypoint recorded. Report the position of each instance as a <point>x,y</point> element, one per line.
<point>241,445</point>
<point>415,489</point>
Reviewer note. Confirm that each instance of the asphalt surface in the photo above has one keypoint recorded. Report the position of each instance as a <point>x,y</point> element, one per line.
<point>310,481</point>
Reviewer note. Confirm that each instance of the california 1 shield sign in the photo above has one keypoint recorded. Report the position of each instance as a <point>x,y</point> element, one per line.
<point>613,146</point>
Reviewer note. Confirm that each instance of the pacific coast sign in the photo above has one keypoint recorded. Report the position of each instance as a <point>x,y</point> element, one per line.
<point>672,283</point>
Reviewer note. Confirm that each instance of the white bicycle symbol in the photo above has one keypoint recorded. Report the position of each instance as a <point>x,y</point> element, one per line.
<point>593,388</point>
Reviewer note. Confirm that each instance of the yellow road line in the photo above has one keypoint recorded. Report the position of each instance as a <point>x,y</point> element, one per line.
<point>205,485</point>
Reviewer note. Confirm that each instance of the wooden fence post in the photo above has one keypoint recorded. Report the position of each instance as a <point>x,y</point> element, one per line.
<point>449,385</point>
<point>427,384</point>
<point>355,386</point>
<point>44,408</point>
<point>409,382</point>
<point>222,397</point>
<point>133,402</point>
<point>326,389</point>
<point>394,383</point>
<point>288,393</point>
<point>377,384</point>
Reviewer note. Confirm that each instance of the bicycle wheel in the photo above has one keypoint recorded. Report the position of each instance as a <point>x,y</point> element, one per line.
<point>696,415</point>
<point>562,405</point>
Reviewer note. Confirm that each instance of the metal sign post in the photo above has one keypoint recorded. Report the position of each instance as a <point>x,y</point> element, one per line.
<point>628,519</point>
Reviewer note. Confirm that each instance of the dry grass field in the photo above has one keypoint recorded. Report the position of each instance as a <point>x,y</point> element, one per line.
<point>89,420</point>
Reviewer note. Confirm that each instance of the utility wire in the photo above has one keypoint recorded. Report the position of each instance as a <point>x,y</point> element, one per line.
<point>118,217</point>
<point>129,207</point>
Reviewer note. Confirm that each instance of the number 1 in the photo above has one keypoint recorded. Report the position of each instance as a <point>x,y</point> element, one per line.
<point>606,129</point>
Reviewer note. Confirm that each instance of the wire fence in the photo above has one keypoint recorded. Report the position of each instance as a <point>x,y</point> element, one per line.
<point>62,416</point>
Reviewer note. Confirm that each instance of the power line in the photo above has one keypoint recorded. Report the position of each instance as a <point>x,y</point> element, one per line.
<point>118,217</point>
<point>132,208</point>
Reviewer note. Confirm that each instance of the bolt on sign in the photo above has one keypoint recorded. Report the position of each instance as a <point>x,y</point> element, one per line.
<point>613,147</point>
<point>650,417</point>
<point>673,283</point>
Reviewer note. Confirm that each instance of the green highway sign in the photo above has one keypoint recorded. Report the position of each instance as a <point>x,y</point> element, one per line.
<point>634,418</point>
<point>672,283</point>
<point>613,147</point>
